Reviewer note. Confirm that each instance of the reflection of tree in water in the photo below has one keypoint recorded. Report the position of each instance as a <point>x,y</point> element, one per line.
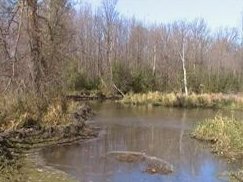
<point>156,131</point>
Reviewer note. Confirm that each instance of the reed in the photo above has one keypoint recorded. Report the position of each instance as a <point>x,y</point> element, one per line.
<point>217,101</point>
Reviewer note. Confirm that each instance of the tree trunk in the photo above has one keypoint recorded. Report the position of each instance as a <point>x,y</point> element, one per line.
<point>184,70</point>
<point>154,60</point>
<point>35,45</point>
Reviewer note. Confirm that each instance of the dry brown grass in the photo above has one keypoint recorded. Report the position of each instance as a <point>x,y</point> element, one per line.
<point>180,100</point>
<point>226,135</point>
<point>16,110</point>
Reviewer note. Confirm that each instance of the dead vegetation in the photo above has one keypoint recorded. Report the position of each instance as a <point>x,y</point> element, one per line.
<point>215,101</point>
<point>28,122</point>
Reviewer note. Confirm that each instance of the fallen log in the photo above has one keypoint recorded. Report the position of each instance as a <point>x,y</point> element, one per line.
<point>88,97</point>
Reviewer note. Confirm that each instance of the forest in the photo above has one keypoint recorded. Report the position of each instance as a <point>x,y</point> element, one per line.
<point>69,47</point>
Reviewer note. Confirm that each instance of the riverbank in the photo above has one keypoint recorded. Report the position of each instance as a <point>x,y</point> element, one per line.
<point>31,172</point>
<point>225,136</point>
<point>214,101</point>
<point>23,129</point>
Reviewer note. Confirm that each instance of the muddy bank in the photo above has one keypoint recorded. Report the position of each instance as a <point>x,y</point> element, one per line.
<point>86,96</point>
<point>14,144</point>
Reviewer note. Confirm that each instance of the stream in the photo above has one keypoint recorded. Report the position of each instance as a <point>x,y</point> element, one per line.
<point>156,131</point>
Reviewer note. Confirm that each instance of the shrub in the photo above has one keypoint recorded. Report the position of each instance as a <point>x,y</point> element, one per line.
<point>77,80</point>
<point>139,80</point>
<point>122,77</point>
<point>143,80</point>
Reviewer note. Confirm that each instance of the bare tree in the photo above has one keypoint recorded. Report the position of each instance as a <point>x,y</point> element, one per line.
<point>182,56</point>
<point>109,15</point>
<point>40,39</point>
<point>35,45</point>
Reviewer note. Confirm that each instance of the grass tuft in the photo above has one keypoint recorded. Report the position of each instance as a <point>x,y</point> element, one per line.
<point>226,135</point>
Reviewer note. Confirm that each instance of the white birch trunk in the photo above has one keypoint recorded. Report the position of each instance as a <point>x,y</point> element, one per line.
<point>184,70</point>
<point>154,60</point>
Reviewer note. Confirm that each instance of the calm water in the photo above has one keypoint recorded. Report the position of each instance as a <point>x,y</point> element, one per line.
<point>156,131</point>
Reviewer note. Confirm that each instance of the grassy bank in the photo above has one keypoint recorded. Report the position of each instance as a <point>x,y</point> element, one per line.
<point>226,138</point>
<point>28,122</point>
<point>179,100</point>
<point>225,134</point>
<point>19,111</point>
<point>29,171</point>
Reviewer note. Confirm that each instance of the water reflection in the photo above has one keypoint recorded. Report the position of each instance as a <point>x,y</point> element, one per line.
<point>156,131</point>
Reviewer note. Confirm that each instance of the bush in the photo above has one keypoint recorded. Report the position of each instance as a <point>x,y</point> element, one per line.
<point>133,80</point>
<point>77,80</point>
<point>80,81</point>
<point>122,77</point>
<point>201,82</point>
<point>143,80</point>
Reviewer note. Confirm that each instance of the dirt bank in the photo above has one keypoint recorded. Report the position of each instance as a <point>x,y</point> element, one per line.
<point>14,144</point>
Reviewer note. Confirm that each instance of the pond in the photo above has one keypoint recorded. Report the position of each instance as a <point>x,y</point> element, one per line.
<point>156,131</point>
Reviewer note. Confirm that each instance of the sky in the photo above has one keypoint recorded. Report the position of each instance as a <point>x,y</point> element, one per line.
<point>217,13</point>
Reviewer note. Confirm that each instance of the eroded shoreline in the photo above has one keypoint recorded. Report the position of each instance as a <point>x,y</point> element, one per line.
<point>17,145</point>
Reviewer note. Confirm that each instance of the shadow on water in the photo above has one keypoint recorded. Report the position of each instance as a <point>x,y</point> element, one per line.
<point>159,132</point>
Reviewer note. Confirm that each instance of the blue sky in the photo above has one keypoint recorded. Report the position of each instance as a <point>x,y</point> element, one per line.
<point>217,13</point>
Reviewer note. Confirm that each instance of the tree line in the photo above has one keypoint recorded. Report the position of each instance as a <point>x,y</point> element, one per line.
<point>50,44</point>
